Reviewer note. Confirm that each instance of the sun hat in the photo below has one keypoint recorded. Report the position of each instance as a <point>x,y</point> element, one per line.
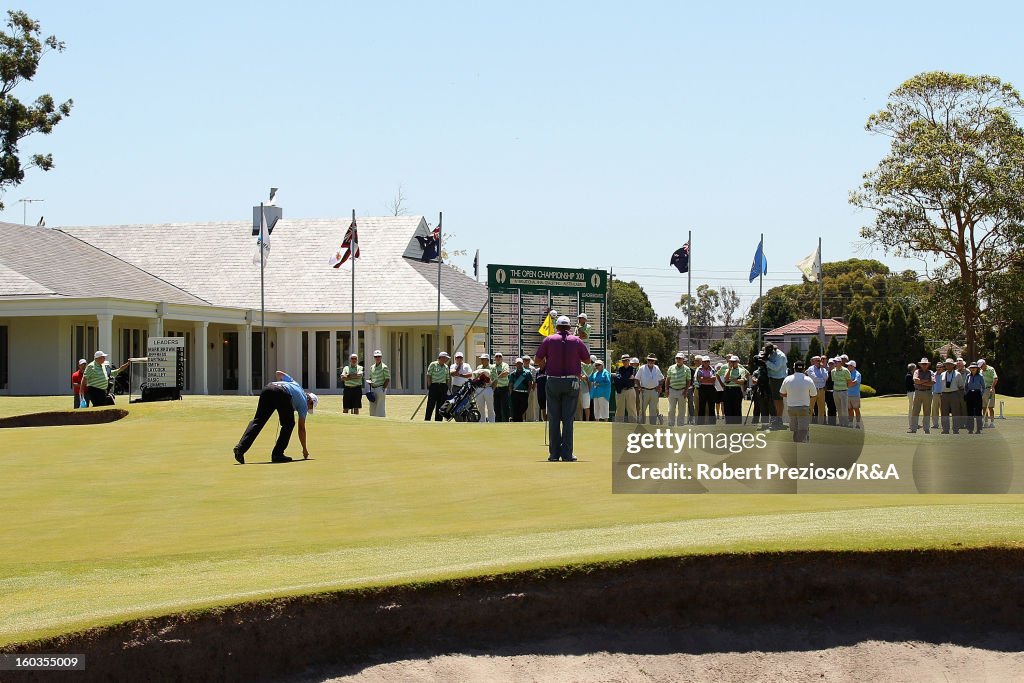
<point>99,354</point>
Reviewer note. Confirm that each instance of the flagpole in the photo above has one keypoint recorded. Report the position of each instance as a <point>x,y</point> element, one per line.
<point>263,308</point>
<point>760,291</point>
<point>821,299</point>
<point>440,239</point>
<point>352,247</point>
<point>689,302</point>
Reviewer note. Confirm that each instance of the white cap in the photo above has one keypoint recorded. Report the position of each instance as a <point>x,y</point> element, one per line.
<point>458,354</point>
<point>519,360</point>
<point>704,359</point>
<point>444,354</point>
<point>99,354</point>
<point>484,356</point>
<point>582,315</point>
<point>315,400</point>
<point>377,353</point>
<point>680,355</point>
<point>498,353</point>
<point>563,320</point>
<point>852,363</point>
<point>598,362</point>
<point>82,360</point>
<point>844,357</point>
<point>634,359</point>
<point>981,361</point>
<point>734,359</point>
<point>593,358</point>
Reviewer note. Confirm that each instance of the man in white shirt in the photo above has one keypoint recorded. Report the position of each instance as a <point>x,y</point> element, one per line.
<point>532,407</point>
<point>798,390</point>
<point>650,379</point>
<point>461,371</point>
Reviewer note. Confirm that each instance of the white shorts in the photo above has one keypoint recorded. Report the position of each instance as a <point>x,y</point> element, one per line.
<point>584,399</point>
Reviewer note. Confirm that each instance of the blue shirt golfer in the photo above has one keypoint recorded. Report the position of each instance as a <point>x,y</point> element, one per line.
<point>560,356</point>
<point>285,396</point>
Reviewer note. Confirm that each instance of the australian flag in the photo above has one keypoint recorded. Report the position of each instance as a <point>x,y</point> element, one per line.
<point>681,258</point>
<point>431,244</point>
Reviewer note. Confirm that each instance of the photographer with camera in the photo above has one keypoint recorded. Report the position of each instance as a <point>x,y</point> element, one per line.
<point>760,391</point>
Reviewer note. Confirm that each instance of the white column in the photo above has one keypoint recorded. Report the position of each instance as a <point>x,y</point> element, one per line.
<point>201,359</point>
<point>311,353</point>
<point>289,352</point>
<point>457,332</point>
<point>332,359</point>
<point>105,332</point>
<point>244,360</point>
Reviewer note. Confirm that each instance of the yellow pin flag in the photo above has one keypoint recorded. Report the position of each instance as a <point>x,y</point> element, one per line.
<point>547,327</point>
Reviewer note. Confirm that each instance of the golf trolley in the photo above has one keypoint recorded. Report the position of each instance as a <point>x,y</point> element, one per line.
<point>461,405</point>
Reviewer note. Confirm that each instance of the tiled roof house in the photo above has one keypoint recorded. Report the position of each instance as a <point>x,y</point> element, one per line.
<point>66,292</point>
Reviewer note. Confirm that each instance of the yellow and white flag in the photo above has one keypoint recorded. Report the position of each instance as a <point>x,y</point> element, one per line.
<point>547,327</point>
<point>811,266</point>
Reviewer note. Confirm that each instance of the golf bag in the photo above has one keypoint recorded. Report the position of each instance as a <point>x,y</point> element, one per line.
<point>119,385</point>
<point>461,405</point>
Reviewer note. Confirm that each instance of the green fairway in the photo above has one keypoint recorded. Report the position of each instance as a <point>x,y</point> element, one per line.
<point>150,514</point>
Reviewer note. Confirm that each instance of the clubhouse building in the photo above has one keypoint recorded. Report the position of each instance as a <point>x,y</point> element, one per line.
<point>66,292</point>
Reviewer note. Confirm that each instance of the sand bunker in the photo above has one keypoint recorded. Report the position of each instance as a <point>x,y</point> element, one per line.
<point>60,418</point>
<point>901,615</point>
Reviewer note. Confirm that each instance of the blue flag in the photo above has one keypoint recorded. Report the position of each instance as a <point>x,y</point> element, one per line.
<point>760,265</point>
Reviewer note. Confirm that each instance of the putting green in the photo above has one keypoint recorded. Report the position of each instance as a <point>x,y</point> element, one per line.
<point>150,515</point>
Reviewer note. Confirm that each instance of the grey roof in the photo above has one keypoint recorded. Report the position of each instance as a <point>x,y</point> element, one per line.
<point>37,261</point>
<point>214,261</point>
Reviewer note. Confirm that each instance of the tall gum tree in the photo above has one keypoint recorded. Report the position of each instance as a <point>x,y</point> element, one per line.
<point>952,184</point>
<point>22,47</point>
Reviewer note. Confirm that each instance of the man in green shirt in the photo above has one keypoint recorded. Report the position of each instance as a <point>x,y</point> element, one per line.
<point>988,406</point>
<point>677,379</point>
<point>352,386</point>
<point>734,378</point>
<point>840,386</point>
<point>96,380</point>
<point>502,370</point>
<point>380,379</point>
<point>583,327</point>
<point>437,386</point>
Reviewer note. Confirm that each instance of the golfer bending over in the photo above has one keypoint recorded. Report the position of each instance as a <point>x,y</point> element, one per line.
<point>284,396</point>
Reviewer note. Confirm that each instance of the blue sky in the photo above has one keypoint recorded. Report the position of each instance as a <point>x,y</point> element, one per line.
<point>572,134</point>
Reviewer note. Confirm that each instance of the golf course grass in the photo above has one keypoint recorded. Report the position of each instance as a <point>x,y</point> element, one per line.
<point>149,515</point>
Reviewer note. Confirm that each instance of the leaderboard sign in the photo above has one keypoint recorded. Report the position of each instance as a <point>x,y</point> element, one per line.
<point>520,297</point>
<point>165,368</point>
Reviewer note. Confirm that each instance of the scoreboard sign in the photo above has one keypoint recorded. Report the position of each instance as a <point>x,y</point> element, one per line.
<point>519,297</point>
<point>166,366</point>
